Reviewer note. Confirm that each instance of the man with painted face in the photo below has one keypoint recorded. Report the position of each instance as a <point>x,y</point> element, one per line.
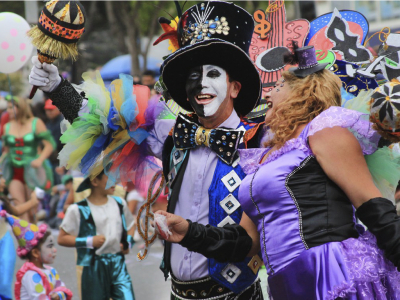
<point>212,76</point>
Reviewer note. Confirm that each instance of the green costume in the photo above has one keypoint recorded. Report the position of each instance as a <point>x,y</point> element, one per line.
<point>21,152</point>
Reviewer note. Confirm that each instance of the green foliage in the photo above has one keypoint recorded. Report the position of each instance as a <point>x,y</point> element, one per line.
<point>16,7</point>
<point>16,83</point>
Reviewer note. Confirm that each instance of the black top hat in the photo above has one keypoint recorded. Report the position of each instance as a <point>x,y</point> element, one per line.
<point>84,185</point>
<point>214,33</point>
<point>307,62</point>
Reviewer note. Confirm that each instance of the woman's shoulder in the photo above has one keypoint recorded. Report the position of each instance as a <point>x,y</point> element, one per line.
<point>336,121</point>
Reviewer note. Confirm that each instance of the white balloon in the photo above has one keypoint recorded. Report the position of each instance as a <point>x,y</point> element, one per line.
<point>15,45</point>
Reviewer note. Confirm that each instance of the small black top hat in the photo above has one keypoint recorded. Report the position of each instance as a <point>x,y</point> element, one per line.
<point>307,62</point>
<point>214,33</point>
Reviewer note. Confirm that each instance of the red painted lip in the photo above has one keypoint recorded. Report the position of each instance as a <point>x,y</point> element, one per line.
<point>205,101</point>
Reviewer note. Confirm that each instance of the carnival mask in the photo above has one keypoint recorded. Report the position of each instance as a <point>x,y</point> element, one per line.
<point>206,88</point>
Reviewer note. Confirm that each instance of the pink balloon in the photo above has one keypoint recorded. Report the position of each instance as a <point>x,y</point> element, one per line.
<point>22,46</point>
<point>13,32</point>
<point>23,58</point>
<point>10,58</point>
<point>4,45</point>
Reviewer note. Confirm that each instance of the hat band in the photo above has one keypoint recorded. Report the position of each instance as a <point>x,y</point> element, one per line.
<point>62,31</point>
<point>308,67</point>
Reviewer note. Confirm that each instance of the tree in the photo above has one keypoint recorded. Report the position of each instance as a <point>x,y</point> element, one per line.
<point>134,20</point>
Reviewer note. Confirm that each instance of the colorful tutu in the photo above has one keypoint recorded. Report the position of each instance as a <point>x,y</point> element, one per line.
<point>112,136</point>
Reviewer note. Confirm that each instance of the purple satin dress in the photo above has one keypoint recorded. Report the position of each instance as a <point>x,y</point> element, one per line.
<point>351,269</point>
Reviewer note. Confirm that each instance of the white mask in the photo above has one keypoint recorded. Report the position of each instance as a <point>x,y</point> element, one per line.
<point>48,250</point>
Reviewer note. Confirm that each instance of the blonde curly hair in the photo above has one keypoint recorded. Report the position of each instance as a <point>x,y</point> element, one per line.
<point>309,97</point>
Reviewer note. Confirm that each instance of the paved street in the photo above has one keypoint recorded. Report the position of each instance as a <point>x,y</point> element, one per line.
<point>148,280</point>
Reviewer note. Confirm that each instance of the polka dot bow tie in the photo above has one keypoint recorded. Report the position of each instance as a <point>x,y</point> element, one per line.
<point>189,134</point>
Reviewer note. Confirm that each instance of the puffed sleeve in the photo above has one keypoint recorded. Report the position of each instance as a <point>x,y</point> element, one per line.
<point>71,221</point>
<point>32,287</point>
<point>158,135</point>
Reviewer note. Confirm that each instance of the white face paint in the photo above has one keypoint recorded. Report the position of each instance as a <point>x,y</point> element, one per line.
<point>48,250</point>
<point>214,84</point>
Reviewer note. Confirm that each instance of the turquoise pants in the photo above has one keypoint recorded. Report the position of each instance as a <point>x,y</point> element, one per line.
<point>107,278</point>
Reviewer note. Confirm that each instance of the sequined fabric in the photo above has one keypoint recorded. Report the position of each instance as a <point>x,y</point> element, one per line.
<point>67,99</point>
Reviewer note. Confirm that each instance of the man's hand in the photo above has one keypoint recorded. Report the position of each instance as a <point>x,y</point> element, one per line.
<point>176,224</point>
<point>45,76</point>
<point>98,241</point>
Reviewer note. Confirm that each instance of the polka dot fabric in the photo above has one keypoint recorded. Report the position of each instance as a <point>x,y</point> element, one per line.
<point>28,235</point>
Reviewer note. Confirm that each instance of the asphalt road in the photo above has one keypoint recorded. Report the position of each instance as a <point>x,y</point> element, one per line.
<point>148,280</point>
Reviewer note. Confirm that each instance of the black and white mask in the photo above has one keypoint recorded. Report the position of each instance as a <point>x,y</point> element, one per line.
<point>206,88</point>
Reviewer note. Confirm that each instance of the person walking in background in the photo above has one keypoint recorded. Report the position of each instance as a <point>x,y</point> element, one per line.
<point>101,228</point>
<point>149,79</point>
<point>24,168</point>
<point>53,124</point>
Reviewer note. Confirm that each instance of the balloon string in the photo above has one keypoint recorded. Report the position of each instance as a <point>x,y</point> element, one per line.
<point>11,95</point>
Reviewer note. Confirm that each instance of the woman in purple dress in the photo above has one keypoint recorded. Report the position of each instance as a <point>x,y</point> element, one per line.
<point>300,191</point>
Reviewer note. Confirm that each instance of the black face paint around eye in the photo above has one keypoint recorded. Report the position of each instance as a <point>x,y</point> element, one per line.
<point>194,87</point>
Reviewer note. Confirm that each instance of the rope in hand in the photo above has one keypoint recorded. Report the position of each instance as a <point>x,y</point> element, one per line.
<point>148,216</point>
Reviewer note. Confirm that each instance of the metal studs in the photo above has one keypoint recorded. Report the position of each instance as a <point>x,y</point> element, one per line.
<point>185,130</point>
<point>223,19</point>
<point>184,141</point>
<point>223,137</point>
<point>233,136</point>
<point>220,149</point>
<point>218,142</point>
<point>220,289</point>
<point>228,154</point>
<point>177,142</point>
<point>186,136</point>
<point>179,125</point>
<point>231,144</point>
<point>176,134</point>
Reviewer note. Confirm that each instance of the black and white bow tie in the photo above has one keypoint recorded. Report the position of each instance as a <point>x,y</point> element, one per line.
<point>224,142</point>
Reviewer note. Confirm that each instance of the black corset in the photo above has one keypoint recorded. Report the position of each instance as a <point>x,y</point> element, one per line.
<point>326,211</point>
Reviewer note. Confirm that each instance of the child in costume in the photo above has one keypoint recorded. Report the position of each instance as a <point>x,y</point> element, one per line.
<point>7,250</point>
<point>36,281</point>
<point>101,228</point>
